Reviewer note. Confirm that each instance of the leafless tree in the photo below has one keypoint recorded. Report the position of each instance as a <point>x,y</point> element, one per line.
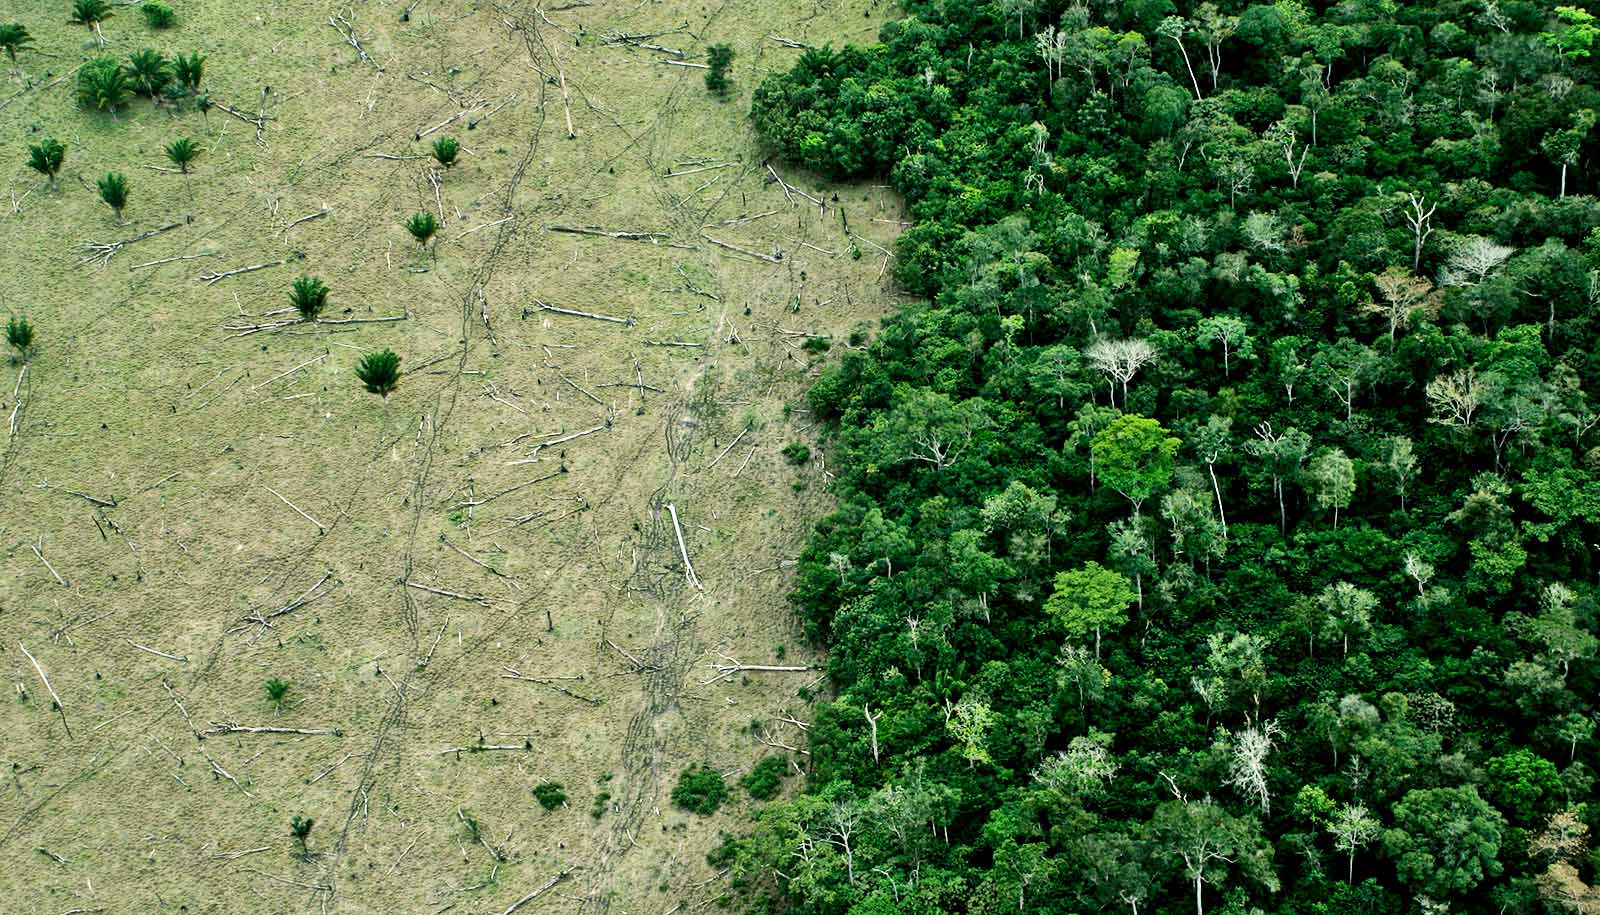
<point>1247,767</point>
<point>1419,216</point>
<point>1287,140</point>
<point>1404,296</point>
<point>1473,260</point>
<point>1120,360</point>
<point>1353,828</point>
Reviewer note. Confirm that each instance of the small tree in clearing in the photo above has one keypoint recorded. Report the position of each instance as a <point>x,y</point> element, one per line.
<point>188,70</point>
<point>103,85</point>
<point>13,38</point>
<point>422,226</point>
<point>277,692</point>
<point>45,157</point>
<point>445,150</point>
<point>19,334</point>
<point>308,295</point>
<point>300,830</point>
<point>719,57</point>
<point>380,372</point>
<point>150,72</point>
<point>113,189</point>
<point>89,14</point>
<point>182,152</point>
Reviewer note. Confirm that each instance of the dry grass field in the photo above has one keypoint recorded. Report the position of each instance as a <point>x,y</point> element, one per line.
<point>475,586</point>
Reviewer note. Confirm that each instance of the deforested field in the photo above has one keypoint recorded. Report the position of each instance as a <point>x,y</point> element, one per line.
<point>237,589</point>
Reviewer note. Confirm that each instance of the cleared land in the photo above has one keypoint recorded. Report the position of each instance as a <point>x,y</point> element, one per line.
<point>188,510</point>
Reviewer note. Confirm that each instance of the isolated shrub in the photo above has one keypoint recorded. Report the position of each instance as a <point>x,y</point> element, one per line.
<point>300,830</point>
<point>817,344</point>
<point>550,795</point>
<point>445,150</point>
<point>719,57</point>
<point>308,295</point>
<point>796,453</point>
<point>158,15</point>
<point>149,72</point>
<point>700,790</point>
<point>19,334</point>
<point>182,152</point>
<point>103,85</point>
<point>13,38</point>
<point>766,778</point>
<point>113,189</point>
<point>379,371</point>
<point>277,692</point>
<point>422,227</point>
<point>188,70</point>
<point>46,156</point>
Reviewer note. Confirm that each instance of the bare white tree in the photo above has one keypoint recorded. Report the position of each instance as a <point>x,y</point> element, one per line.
<point>1120,360</point>
<point>1419,216</point>
<point>1283,136</point>
<point>1247,769</point>
<point>1086,765</point>
<point>843,821</point>
<point>1473,260</point>
<point>1403,297</point>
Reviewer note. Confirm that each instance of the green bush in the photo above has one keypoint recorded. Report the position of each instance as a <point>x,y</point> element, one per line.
<point>380,372</point>
<point>188,70</point>
<point>700,790</point>
<point>796,453</point>
<point>182,152</point>
<point>422,227</point>
<point>445,150</point>
<point>308,295</point>
<point>19,334</point>
<point>13,38</point>
<point>103,85</point>
<point>158,15</point>
<point>113,187</point>
<point>46,156</point>
<point>719,57</point>
<point>550,795</point>
<point>149,72</point>
<point>766,778</point>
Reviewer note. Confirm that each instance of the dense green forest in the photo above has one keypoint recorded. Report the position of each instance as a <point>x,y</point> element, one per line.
<point>1215,533</point>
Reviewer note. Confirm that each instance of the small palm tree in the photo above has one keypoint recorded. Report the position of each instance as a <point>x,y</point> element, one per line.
<point>445,150</point>
<point>422,226</point>
<point>380,372</point>
<point>13,38</point>
<point>202,104</point>
<point>308,295</point>
<point>19,333</point>
<point>89,14</point>
<point>103,85</point>
<point>114,191</point>
<point>182,152</point>
<point>189,69</point>
<point>149,71</point>
<point>300,829</point>
<point>277,692</point>
<point>45,157</point>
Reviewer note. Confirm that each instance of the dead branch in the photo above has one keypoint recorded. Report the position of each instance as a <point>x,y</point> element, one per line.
<point>348,31</point>
<point>170,260</point>
<point>38,550</point>
<point>683,550</point>
<point>451,119</point>
<point>321,528</point>
<point>228,727</point>
<point>684,63</point>
<point>62,709</point>
<point>511,674</point>
<point>105,252</point>
<point>651,237</point>
<point>582,314</point>
<point>543,888</point>
<point>471,598</point>
<point>727,670</point>
<point>212,279</point>
<point>788,42</point>
<point>184,659</point>
<point>317,215</point>
<point>769,258</point>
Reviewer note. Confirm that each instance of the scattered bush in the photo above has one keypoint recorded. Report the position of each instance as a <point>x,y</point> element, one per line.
<point>308,295</point>
<point>719,57</point>
<point>182,152</point>
<point>300,830</point>
<point>796,453</point>
<point>278,693</point>
<point>380,372</point>
<point>598,808</point>
<point>188,70</point>
<point>19,334</point>
<point>103,85</point>
<point>89,14</point>
<point>817,345</point>
<point>114,191</point>
<point>45,157</point>
<point>550,795</point>
<point>158,15</point>
<point>700,790</point>
<point>445,150</point>
<point>149,72</point>
<point>422,227</point>
<point>766,778</point>
<point>13,38</point>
